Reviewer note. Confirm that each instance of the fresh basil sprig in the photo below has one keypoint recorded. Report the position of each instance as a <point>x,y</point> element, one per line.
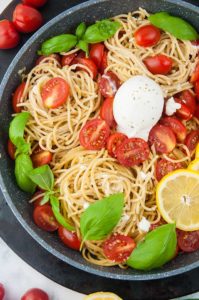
<point>158,247</point>
<point>23,166</point>
<point>16,130</point>
<point>178,27</point>
<point>81,29</point>
<point>83,45</point>
<point>99,219</point>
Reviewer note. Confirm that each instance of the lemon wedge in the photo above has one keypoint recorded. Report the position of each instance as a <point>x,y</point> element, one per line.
<point>194,165</point>
<point>197,151</point>
<point>177,197</point>
<point>102,296</point>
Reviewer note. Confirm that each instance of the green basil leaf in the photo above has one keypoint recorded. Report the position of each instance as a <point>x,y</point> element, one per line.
<point>178,27</point>
<point>99,219</point>
<point>43,177</point>
<point>101,31</point>
<point>81,29</point>
<point>23,166</point>
<point>158,247</point>
<point>59,43</point>
<point>22,146</point>
<point>54,201</point>
<point>17,126</point>
<point>83,45</point>
<point>45,198</point>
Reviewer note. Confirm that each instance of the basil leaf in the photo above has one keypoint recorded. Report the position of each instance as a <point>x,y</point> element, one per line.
<point>17,126</point>
<point>54,201</point>
<point>101,31</point>
<point>81,29</point>
<point>178,27</point>
<point>22,146</point>
<point>23,166</point>
<point>158,247</point>
<point>45,198</point>
<point>43,177</point>
<point>59,43</point>
<point>83,45</point>
<point>101,217</point>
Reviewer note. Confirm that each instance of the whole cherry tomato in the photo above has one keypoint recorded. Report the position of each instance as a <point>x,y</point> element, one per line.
<point>159,64</point>
<point>147,36</point>
<point>44,218</point>
<point>189,99</point>
<point>188,241</point>
<point>97,53</point>
<point>16,97</point>
<point>41,157</point>
<point>184,113</point>
<point>109,84</point>
<point>9,37</point>
<point>106,112</point>
<point>2,291</point>
<point>69,238</point>
<point>87,62</point>
<point>11,149</point>
<point>35,3</point>
<point>35,294</point>
<point>104,62</point>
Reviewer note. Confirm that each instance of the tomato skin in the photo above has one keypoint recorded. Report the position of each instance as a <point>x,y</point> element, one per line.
<point>195,75</point>
<point>109,84</point>
<point>16,97</point>
<point>197,112</point>
<point>196,88</point>
<point>164,167</point>
<point>35,3</point>
<point>132,152</point>
<point>189,99</point>
<point>37,202</point>
<point>192,140</point>
<point>97,53</point>
<point>2,291</point>
<point>35,294</point>
<point>69,238</point>
<point>118,247</point>
<point>159,64</point>
<point>67,60</point>
<point>106,112</point>
<point>184,112</point>
<point>55,92</point>
<point>94,134</point>
<point>177,126</point>
<point>26,19</point>
<point>88,63</point>
<point>104,62</point>
<point>188,241</point>
<point>163,138</point>
<point>42,57</point>
<point>147,36</point>
<point>9,37</point>
<point>114,141</point>
<point>41,157</point>
<point>44,218</point>
<point>11,150</point>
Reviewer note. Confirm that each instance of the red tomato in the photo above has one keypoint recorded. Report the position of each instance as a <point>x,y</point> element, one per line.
<point>159,64</point>
<point>69,238</point>
<point>26,19</point>
<point>11,149</point>
<point>55,92</point>
<point>2,291</point>
<point>44,218</point>
<point>163,138</point>
<point>97,53</point>
<point>147,36</point>
<point>16,97</point>
<point>35,294</point>
<point>67,60</point>
<point>197,112</point>
<point>87,62</point>
<point>164,167</point>
<point>195,75</point>
<point>184,112</point>
<point>192,140</point>
<point>94,134</point>
<point>177,126</point>
<point>35,3</point>
<point>189,99</point>
<point>9,37</point>
<point>41,157</point>
<point>104,62</point>
<point>114,141</point>
<point>37,202</point>
<point>188,241</point>
<point>109,84</point>
<point>42,57</point>
<point>118,247</point>
<point>106,112</point>
<point>132,152</point>
<point>197,89</point>
<point>195,43</point>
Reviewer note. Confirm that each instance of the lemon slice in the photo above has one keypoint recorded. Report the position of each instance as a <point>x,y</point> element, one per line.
<point>197,151</point>
<point>102,296</point>
<point>177,197</point>
<point>194,165</point>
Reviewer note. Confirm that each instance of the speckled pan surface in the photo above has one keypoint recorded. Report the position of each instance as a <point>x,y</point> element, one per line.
<point>17,200</point>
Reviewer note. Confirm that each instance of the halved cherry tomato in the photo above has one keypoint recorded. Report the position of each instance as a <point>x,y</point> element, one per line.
<point>196,88</point>
<point>69,238</point>
<point>37,202</point>
<point>195,43</point>
<point>192,140</point>
<point>163,138</point>
<point>106,112</point>
<point>16,97</point>
<point>177,126</point>
<point>159,64</point>
<point>44,218</point>
<point>197,112</point>
<point>42,57</point>
<point>164,167</point>
<point>2,291</point>
<point>104,62</point>
<point>27,19</point>
<point>87,62</point>
<point>35,294</point>
<point>41,157</point>
<point>114,141</point>
<point>183,112</point>
<point>55,92</point>
<point>9,37</point>
<point>195,75</point>
<point>94,134</point>
<point>188,241</point>
<point>96,53</point>
<point>35,3</point>
<point>109,84</point>
<point>132,152</point>
<point>118,247</point>
<point>11,149</point>
<point>147,36</point>
<point>189,99</point>
<point>67,60</point>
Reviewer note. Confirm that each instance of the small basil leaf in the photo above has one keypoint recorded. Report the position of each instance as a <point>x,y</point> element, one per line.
<point>178,27</point>
<point>59,43</point>
<point>81,29</point>
<point>54,201</point>
<point>17,126</point>
<point>158,247</point>
<point>101,31</point>
<point>23,166</point>
<point>43,177</point>
<point>83,45</point>
<point>22,146</point>
<point>101,217</point>
<point>45,198</point>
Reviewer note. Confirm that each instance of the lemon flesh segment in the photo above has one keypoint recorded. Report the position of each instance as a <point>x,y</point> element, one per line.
<point>102,296</point>
<point>194,165</point>
<point>177,197</point>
